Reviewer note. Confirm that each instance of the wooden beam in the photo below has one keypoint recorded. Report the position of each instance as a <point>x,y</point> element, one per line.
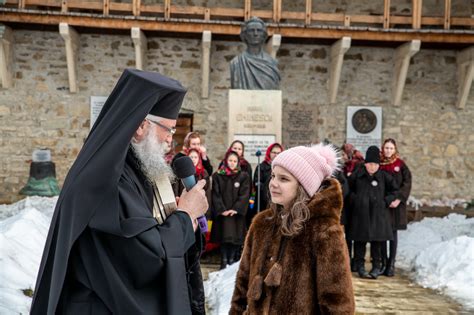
<point>167,9</point>
<point>64,8</point>
<point>276,11</point>
<point>417,6</point>
<point>6,56</point>
<point>141,44</point>
<point>207,14</point>
<point>233,28</point>
<point>106,7</point>
<point>447,14</point>
<point>136,7</point>
<point>347,20</point>
<point>247,10</point>
<point>206,63</point>
<point>273,45</point>
<point>465,62</point>
<point>338,49</point>
<point>402,58</point>
<point>71,38</point>
<point>386,14</point>
<point>309,9</point>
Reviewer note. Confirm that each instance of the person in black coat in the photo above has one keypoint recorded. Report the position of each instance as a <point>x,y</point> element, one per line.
<point>395,166</point>
<point>111,247</point>
<point>372,191</point>
<point>261,181</point>
<point>230,198</point>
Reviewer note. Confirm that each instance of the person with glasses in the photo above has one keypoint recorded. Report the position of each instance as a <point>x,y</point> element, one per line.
<point>260,183</point>
<point>118,243</point>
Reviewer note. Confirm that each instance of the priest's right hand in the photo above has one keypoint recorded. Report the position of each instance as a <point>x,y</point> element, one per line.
<point>194,202</point>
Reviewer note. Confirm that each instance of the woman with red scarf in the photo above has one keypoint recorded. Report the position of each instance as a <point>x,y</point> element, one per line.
<point>391,162</point>
<point>238,147</point>
<point>230,199</point>
<point>260,184</point>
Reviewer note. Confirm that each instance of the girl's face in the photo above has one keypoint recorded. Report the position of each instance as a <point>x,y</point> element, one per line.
<point>194,157</point>
<point>283,187</point>
<point>388,149</point>
<point>232,161</point>
<point>237,147</point>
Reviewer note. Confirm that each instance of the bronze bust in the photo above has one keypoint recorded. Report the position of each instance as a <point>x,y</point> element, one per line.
<point>254,69</point>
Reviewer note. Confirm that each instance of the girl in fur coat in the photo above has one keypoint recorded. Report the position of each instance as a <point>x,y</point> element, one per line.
<point>295,259</point>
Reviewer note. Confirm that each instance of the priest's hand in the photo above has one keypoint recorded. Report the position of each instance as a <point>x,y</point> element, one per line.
<point>194,202</point>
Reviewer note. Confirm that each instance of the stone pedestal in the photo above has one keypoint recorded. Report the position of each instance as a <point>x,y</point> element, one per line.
<point>255,119</point>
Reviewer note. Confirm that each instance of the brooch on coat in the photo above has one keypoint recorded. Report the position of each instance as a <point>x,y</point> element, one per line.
<point>374,183</point>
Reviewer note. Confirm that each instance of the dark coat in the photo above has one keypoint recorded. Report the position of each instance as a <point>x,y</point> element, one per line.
<point>261,187</point>
<point>105,252</point>
<point>314,274</point>
<point>402,175</point>
<point>229,192</point>
<point>369,200</point>
<point>342,179</point>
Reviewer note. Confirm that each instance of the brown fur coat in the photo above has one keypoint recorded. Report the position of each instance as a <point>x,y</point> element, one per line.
<point>313,274</point>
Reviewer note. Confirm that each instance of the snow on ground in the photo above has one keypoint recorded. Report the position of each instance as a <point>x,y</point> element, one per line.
<point>23,231</point>
<point>438,253</point>
<point>219,288</point>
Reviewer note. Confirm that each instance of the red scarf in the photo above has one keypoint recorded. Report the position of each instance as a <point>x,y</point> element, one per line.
<point>392,165</point>
<point>268,159</point>
<point>224,168</point>
<point>199,166</point>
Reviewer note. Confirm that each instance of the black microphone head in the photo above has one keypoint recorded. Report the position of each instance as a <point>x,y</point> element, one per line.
<point>183,167</point>
<point>258,153</point>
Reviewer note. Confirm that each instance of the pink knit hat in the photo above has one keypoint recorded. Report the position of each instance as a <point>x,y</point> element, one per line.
<point>310,165</point>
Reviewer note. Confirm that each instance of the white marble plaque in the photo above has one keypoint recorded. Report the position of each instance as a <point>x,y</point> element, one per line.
<point>97,102</point>
<point>255,119</point>
<point>364,127</point>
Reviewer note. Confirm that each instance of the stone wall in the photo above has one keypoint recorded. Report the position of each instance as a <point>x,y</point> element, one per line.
<point>435,138</point>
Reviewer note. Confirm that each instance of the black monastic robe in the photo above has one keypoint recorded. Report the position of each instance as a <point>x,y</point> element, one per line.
<point>105,252</point>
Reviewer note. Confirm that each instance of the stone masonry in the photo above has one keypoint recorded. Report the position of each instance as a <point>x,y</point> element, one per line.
<point>435,138</point>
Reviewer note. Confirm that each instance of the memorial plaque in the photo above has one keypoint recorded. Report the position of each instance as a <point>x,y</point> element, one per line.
<point>97,102</point>
<point>255,119</point>
<point>364,127</point>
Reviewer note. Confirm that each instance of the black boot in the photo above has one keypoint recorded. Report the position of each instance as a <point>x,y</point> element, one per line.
<point>362,272</point>
<point>390,270</point>
<point>375,272</point>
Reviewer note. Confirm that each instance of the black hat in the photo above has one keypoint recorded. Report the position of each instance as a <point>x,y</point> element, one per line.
<point>372,155</point>
<point>170,93</point>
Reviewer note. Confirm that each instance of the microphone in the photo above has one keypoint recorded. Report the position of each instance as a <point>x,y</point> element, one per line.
<point>185,171</point>
<point>258,153</point>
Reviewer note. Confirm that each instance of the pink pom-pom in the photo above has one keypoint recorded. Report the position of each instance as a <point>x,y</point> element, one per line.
<point>330,154</point>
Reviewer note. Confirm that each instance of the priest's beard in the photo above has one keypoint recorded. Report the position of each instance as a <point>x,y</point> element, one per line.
<point>150,153</point>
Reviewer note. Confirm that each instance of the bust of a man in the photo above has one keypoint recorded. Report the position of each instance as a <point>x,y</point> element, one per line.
<point>254,69</point>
